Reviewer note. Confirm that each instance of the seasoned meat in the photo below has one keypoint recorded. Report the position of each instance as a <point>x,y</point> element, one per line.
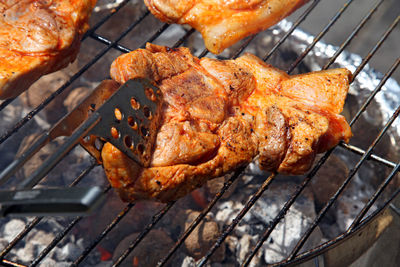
<point>218,115</point>
<point>38,37</point>
<point>224,22</point>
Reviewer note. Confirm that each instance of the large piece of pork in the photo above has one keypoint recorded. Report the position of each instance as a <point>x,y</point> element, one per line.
<point>38,37</point>
<point>223,22</point>
<point>220,114</point>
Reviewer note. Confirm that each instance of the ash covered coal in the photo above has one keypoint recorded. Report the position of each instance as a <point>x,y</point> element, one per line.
<point>38,239</point>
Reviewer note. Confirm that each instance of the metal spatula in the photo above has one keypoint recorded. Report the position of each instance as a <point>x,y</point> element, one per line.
<point>126,116</point>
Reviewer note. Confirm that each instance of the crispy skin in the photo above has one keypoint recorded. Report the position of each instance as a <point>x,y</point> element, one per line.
<point>221,22</point>
<point>219,115</point>
<point>37,38</point>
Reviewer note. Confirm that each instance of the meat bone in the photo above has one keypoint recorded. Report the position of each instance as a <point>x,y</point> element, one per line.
<point>126,116</point>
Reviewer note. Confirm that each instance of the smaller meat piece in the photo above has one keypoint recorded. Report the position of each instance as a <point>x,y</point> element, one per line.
<point>218,115</point>
<point>224,22</point>
<point>37,38</point>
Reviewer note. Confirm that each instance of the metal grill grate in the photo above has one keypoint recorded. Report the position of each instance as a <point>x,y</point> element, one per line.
<point>294,256</point>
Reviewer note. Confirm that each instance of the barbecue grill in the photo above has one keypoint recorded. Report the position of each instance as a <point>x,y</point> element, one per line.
<point>115,31</point>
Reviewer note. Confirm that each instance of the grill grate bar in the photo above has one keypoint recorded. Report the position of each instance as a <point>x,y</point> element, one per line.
<point>352,35</point>
<point>377,89</point>
<point>156,34</point>
<point>294,26</point>
<point>104,19</point>
<point>7,263</point>
<point>183,38</point>
<point>147,229</point>
<point>31,114</point>
<point>237,219</point>
<point>106,41</point>
<point>203,213</point>
<point>5,103</point>
<point>361,152</point>
<point>36,220</point>
<point>205,52</point>
<point>372,200</point>
<point>95,242</point>
<point>341,188</point>
<point>388,202</point>
<point>89,32</point>
<point>319,36</point>
<point>243,46</point>
<point>376,47</point>
<point>60,236</point>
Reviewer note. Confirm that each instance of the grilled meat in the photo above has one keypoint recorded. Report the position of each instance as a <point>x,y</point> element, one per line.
<point>218,115</point>
<point>222,23</point>
<point>38,37</point>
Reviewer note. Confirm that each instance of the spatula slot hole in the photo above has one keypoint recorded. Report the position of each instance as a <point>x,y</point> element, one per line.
<point>128,141</point>
<point>150,94</point>
<point>140,148</point>
<point>147,112</point>
<point>115,133</point>
<point>132,123</point>
<point>118,114</point>
<point>144,131</point>
<point>135,104</point>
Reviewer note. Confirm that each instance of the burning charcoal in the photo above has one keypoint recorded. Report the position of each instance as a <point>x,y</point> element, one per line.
<point>215,185</point>
<point>11,114</point>
<point>287,233</point>
<point>228,210</point>
<point>188,262</point>
<point>154,246</point>
<point>244,246</point>
<point>349,206</point>
<point>3,243</point>
<point>30,166</point>
<point>328,180</point>
<point>41,89</point>
<point>140,215</point>
<point>36,241</point>
<point>40,237</point>
<point>8,117</point>
<point>203,237</point>
<point>28,253</point>
<point>51,224</point>
<point>69,252</point>
<point>231,243</point>
<point>199,197</point>
<point>12,228</point>
<point>74,162</point>
<point>104,264</point>
<point>47,262</point>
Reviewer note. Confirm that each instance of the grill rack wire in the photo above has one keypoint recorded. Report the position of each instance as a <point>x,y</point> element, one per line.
<point>294,257</point>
